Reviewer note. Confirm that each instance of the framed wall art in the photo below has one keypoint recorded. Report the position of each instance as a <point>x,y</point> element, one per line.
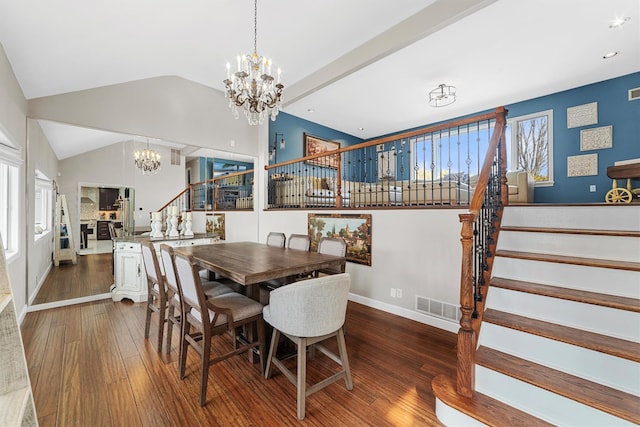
<point>583,165</point>
<point>354,229</point>
<point>314,145</point>
<point>582,115</point>
<point>215,224</point>
<point>596,138</point>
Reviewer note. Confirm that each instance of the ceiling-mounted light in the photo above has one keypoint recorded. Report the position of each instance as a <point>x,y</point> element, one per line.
<point>442,96</point>
<point>252,87</point>
<point>147,160</point>
<point>618,22</point>
<point>610,55</point>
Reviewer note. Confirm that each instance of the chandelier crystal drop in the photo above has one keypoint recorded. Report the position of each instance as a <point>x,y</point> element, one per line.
<point>147,160</point>
<point>442,96</point>
<point>252,87</point>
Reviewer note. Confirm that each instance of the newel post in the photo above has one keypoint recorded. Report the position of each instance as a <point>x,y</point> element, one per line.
<point>466,333</point>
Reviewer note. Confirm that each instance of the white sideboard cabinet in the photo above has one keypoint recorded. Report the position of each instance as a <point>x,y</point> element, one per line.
<point>130,277</point>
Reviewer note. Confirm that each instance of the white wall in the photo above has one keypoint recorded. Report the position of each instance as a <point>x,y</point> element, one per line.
<point>113,166</point>
<point>13,108</point>
<point>41,157</point>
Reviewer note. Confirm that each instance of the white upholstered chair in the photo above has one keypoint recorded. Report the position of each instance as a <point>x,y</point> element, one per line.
<point>308,312</point>
<point>299,242</point>
<point>332,246</point>
<point>205,317</point>
<point>276,239</point>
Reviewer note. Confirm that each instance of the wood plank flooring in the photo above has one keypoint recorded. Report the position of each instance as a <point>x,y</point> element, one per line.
<point>91,276</point>
<point>91,366</point>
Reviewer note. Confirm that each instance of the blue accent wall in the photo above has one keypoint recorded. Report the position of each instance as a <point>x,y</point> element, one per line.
<point>293,129</point>
<point>614,109</point>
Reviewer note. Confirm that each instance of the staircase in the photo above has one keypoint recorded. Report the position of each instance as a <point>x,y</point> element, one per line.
<point>560,338</point>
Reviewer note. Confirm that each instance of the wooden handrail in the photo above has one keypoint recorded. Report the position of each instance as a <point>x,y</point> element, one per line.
<point>469,327</point>
<point>204,182</point>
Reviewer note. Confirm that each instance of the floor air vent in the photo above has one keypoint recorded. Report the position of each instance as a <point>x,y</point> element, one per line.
<point>438,308</point>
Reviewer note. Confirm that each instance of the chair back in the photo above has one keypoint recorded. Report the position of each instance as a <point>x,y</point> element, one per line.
<point>166,254</point>
<point>332,246</point>
<point>189,280</point>
<point>299,242</point>
<point>310,308</point>
<point>276,239</point>
<point>152,267</point>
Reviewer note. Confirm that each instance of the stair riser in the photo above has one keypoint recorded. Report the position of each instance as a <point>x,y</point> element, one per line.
<point>593,279</point>
<point>621,324</point>
<point>541,403</point>
<point>625,218</point>
<point>611,371</point>
<point>601,247</point>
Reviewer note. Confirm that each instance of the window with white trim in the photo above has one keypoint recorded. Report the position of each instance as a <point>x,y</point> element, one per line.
<point>9,186</point>
<point>530,145</point>
<point>43,205</point>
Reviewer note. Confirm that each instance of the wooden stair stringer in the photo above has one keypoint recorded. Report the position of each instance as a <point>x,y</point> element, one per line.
<point>606,399</point>
<point>577,295</point>
<point>602,343</point>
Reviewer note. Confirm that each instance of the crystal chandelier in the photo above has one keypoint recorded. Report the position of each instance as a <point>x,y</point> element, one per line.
<point>252,87</point>
<point>442,96</point>
<point>147,160</point>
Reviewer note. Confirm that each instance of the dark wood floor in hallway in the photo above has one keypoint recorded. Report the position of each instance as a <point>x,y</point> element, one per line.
<point>91,366</point>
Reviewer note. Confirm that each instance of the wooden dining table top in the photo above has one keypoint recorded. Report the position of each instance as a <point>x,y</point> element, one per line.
<point>249,263</point>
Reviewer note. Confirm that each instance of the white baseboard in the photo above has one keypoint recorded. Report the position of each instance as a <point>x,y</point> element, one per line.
<point>407,314</point>
<point>43,277</point>
<point>57,304</point>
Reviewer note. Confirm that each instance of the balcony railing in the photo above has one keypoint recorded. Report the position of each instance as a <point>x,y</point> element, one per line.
<point>433,166</point>
<point>225,193</point>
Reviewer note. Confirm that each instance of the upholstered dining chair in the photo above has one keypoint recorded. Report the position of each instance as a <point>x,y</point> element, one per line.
<point>157,292</point>
<point>174,302</point>
<point>206,317</point>
<point>332,246</point>
<point>308,312</point>
<point>276,239</point>
<point>299,242</point>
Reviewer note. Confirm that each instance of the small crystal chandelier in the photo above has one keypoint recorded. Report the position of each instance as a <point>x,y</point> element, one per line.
<point>147,160</point>
<point>252,87</point>
<point>442,96</point>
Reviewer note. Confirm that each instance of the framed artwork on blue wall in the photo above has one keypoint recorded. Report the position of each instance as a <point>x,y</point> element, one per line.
<point>314,145</point>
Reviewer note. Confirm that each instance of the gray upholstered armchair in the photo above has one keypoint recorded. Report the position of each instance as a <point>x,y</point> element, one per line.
<point>308,312</point>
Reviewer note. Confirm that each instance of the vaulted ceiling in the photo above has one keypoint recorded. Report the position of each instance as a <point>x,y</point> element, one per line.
<point>358,66</point>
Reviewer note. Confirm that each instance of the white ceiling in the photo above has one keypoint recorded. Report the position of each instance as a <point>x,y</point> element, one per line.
<point>357,63</point>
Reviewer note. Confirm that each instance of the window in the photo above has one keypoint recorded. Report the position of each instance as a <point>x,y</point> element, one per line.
<point>530,145</point>
<point>43,205</point>
<point>9,185</point>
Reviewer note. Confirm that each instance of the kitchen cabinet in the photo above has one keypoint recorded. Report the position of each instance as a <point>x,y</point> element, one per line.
<point>108,198</point>
<point>103,230</point>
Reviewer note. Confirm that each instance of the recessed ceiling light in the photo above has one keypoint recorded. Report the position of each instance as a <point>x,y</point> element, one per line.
<point>618,22</point>
<point>360,128</point>
<point>610,55</point>
<point>310,110</point>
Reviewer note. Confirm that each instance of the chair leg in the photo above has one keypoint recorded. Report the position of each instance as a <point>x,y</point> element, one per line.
<point>275,336</point>
<point>204,371</point>
<point>342,349</point>
<point>261,343</point>
<point>184,347</point>
<point>162,313</point>
<point>302,376</point>
<point>148,320</point>
<point>170,319</point>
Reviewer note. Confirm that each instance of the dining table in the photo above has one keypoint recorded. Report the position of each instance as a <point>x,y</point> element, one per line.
<point>252,263</point>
